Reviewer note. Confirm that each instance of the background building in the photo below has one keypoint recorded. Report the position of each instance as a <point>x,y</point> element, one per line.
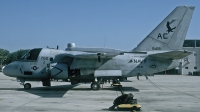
<point>190,64</point>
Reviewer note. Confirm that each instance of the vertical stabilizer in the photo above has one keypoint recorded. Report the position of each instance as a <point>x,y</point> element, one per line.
<point>170,33</point>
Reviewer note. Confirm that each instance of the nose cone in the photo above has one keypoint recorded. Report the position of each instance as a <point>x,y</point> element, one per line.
<point>11,69</point>
<point>6,70</point>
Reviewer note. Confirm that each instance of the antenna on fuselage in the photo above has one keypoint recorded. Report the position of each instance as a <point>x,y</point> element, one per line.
<point>53,48</point>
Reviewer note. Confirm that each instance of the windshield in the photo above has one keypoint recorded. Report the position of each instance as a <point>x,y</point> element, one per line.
<point>32,54</point>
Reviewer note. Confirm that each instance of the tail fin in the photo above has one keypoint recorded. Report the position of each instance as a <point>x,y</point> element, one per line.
<point>170,33</point>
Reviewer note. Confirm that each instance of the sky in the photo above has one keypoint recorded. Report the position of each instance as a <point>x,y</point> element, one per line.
<point>118,24</point>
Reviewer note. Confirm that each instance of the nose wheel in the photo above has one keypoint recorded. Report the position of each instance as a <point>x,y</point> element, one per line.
<point>27,86</point>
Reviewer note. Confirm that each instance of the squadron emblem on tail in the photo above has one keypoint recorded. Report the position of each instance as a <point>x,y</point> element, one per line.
<point>169,28</point>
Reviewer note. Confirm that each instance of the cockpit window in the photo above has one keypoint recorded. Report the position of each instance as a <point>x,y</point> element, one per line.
<point>32,54</point>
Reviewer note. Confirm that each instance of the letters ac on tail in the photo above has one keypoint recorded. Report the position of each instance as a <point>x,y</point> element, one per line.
<point>159,51</point>
<point>169,29</point>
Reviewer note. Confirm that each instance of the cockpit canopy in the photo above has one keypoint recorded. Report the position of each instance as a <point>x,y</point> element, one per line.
<point>32,54</point>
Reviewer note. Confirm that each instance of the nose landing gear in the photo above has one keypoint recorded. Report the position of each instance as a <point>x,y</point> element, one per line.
<point>27,86</point>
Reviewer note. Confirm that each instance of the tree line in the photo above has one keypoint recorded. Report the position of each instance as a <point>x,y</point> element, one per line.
<point>6,57</point>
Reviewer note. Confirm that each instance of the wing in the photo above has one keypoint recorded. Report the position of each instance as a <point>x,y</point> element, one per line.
<point>171,55</point>
<point>83,55</point>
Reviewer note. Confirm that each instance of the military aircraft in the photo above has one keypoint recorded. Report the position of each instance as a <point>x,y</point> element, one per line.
<point>159,51</point>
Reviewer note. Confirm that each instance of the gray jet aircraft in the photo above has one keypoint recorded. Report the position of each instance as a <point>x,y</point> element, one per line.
<point>159,51</point>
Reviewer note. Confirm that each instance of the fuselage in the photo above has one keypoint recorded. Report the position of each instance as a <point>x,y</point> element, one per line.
<point>35,65</point>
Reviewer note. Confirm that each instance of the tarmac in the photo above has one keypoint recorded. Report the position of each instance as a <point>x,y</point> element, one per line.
<point>162,93</point>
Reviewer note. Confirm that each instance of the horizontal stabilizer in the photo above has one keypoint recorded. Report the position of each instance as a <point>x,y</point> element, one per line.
<point>171,55</point>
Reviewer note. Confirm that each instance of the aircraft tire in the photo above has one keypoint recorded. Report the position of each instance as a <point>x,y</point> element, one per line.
<point>27,86</point>
<point>95,86</point>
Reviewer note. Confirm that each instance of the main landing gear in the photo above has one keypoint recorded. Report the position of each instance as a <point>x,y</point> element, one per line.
<point>95,85</point>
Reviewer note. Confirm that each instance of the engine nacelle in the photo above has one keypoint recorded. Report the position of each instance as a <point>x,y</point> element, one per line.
<point>59,71</point>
